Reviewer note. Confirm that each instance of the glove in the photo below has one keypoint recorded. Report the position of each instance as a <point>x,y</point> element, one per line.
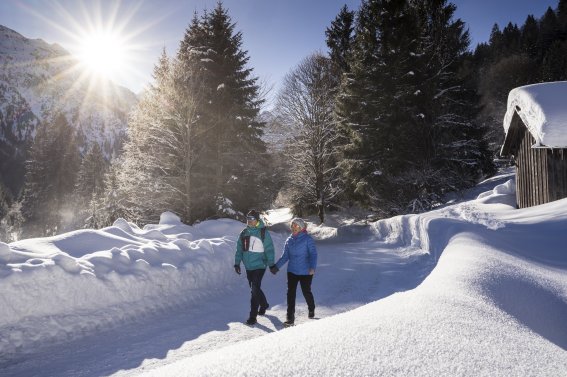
<point>237,269</point>
<point>274,269</point>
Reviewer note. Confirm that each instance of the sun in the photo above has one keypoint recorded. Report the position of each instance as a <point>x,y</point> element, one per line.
<point>103,53</point>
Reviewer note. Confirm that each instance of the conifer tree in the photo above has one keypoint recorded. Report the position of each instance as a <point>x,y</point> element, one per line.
<point>549,31</point>
<point>90,185</point>
<point>50,177</point>
<point>529,37</point>
<point>339,38</point>
<point>156,171</point>
<point>407,108</point>
<point>554,65</point>
<point>90,178</point>
<point>227,108</point>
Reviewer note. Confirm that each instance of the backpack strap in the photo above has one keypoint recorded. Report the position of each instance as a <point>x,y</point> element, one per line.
<point>245,240</point>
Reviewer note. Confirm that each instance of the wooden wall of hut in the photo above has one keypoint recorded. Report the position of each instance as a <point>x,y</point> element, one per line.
<point>541,173</point>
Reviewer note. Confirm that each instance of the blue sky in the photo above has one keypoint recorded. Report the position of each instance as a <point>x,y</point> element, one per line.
<point>277,34</point>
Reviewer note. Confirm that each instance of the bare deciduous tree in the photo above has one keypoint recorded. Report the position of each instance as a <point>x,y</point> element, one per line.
<point>305,105</point>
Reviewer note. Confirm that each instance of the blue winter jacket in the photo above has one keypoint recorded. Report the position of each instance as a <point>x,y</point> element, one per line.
<point>301,253</point>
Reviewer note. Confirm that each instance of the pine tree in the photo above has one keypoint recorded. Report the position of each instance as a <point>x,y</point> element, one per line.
<point>549,31</point>
<point>339,39</point>
<point>227,108</point>
<point>156,171</point>
<point>496,41</point>
<point>90,178</point>
<point>562,19</point>
<point>554,65</point>
<point>511,36</point>
<point>407,107</point>
<point>90,185</point>
<point>529,37</point>
<point>50,176</point>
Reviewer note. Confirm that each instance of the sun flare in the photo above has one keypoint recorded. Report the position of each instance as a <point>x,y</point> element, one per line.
<point>103,54</point>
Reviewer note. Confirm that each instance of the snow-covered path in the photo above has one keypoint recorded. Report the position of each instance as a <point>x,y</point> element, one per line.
<point>472,288</point>
<point>349,275</point>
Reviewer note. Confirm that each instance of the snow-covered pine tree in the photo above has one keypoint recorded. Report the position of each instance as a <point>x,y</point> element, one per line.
<point>406,108</point>
<point>368,106</point>
<point>448,141</point>
<point>227,107</point>
<point>155,173</point>
<point>305,105</point>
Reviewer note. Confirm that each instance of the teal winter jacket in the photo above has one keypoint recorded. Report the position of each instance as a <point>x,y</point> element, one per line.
<point>250,249</point>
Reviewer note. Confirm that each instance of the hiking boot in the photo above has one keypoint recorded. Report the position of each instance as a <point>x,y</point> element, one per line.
<point>262,310</point>
<point>311,314</point>
<point>289,322</point>
<point>251,321</point>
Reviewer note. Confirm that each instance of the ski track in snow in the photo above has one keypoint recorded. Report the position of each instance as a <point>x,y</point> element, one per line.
<point>341,284</point>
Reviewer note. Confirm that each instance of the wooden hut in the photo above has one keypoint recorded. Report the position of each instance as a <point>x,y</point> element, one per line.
<point>536,136</point>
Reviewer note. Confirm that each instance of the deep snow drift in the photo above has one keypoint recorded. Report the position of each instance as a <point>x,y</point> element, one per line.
<point>475,288</point>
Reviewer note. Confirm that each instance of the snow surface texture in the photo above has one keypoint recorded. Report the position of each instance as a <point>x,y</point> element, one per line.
<point>542,109</point>
<point>476,288</point>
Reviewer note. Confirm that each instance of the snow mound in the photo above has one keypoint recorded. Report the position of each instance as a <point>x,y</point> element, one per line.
<point>169,218</point>
<point>91,278</point>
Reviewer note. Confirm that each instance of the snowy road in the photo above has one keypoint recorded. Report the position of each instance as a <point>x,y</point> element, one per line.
<point>349,275</point>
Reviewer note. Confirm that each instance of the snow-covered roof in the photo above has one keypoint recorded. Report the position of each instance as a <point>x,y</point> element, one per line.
<point>543,110</point>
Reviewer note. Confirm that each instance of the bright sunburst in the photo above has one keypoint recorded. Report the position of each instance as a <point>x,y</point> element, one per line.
<point>103,53</point>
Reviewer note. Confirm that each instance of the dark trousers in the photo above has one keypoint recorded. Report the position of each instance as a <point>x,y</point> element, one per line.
<point>305,281</point>
<point>257,298</point>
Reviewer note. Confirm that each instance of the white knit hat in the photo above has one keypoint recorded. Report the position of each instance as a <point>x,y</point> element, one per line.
<point>299,221</point>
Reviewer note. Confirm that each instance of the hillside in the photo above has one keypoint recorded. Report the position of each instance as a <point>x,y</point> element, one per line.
<point>38,79</point>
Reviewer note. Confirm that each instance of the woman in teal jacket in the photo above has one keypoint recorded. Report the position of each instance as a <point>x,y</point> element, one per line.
<point>256,249</point>
<point>301,255</point>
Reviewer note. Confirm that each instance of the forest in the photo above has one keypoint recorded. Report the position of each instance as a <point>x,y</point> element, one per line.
<point>398,112</point>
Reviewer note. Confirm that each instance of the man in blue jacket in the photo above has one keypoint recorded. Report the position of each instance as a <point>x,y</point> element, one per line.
<point>256,249</point>
<point>300,252</point>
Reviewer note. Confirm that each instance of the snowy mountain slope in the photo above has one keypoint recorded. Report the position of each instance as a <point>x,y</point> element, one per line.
<point>476,288</point>
<point>37,79</point>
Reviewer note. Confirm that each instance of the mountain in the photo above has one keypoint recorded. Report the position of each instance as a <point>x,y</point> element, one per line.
<point>275,133</point>
<point>38,79</point>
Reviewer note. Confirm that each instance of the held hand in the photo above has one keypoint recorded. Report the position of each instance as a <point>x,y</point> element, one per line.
<point>273,269</point>
<point>237,269</point>
<point>311,271</point>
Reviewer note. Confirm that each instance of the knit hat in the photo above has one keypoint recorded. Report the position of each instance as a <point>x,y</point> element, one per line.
<point>299,221</point>
<point>253,213</point>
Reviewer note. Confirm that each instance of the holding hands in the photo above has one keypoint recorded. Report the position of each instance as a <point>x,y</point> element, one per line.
<point>273,269</point>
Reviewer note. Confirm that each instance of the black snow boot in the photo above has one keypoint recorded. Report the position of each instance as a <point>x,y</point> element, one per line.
<point>251,321</point>
<point>263,309</point>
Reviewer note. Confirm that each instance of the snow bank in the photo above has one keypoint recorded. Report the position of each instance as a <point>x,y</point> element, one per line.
<point>65,286</point>
<point>542,109</point>
<point>495,305</point>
